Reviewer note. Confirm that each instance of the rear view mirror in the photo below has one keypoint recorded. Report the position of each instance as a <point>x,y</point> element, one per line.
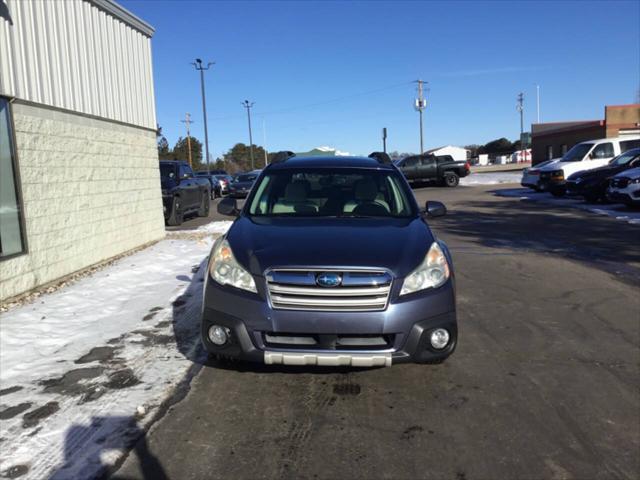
<point>435,209</point>
<point>229,207</point>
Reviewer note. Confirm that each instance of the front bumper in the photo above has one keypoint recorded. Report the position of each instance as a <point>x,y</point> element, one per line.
<point>408,322</point>
<point>627,196</point>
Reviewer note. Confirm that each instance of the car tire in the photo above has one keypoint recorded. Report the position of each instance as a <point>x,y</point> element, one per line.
<point>591,198</point>
<point>558,192</point>
<point>177,215</point>
<point>203,211</point>
<point>437,361</point>
<point>451,180</point>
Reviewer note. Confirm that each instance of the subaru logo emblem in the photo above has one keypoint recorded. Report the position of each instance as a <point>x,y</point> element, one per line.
<point>328,279</point>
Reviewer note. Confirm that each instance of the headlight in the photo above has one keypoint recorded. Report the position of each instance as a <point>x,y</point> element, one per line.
<point>431,273</point>
<point>225,270</point>
<point>635,180</point>
<point>557,173</point>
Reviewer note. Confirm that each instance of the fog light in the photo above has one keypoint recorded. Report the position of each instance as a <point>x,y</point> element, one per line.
<point>439,338</point>
<point>218,335</point>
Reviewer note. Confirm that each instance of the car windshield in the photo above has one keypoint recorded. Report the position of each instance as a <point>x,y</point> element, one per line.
<point>331,193</point>
<point>577,153</point>
<point>626,157</point>
<point>167,170</point>
<point>246,178</point>
<point>202,174</point>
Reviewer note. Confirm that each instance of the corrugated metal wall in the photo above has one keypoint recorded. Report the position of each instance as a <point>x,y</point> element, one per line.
<point>71,54</point>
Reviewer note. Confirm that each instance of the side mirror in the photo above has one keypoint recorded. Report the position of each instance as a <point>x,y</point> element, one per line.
<point>229,207</point>
<point>435,209</point>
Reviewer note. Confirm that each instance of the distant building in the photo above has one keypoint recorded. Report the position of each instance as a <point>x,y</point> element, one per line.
<point>552,140</point>
<point>322,152</point>
<point>458,153</point>
<point>79,174</point>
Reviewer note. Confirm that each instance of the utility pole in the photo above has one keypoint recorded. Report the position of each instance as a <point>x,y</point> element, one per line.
<point>199,66</point>
<point>420,105</point>
<point>264,142</point>
<point>538,103</point>
<point>247,104</point>
<point>187,120</point>
<point>520,108</point>
<point>384,139</point>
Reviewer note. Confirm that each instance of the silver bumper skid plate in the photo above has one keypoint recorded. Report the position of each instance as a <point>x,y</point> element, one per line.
<point>328,359</point>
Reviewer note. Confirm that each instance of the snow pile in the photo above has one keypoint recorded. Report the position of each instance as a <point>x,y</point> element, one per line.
<point>491,178</point>
<point>85,368</point>
<point>619,212</point>
<point>216,227</point>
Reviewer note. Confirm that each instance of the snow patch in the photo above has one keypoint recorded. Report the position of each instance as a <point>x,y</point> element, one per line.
<point>216,227</point>
<point>491,178</point>
<point>85,368</point>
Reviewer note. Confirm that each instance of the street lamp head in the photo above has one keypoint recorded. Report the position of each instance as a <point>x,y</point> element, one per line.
<point>198,60</point>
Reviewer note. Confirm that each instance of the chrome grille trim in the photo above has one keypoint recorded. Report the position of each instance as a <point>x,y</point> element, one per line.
<point>362,290</point>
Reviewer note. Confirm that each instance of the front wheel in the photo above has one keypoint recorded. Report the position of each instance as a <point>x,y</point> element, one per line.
<point>451,180</point>
<point>176,216</point>
<point>558,192</point>
<point>591,198</point>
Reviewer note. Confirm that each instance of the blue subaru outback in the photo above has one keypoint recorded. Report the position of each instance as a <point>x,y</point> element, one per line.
<point>330,262</point>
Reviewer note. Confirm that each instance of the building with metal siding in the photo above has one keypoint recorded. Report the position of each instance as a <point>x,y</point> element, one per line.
<point>79,178</point>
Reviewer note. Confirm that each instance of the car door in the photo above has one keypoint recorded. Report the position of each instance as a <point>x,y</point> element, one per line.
<point>189,187</point>
<point>428,168</point>
<point>600,155</point>
<point>409,168</point>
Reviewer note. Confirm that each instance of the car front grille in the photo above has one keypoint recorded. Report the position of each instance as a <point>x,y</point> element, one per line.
<point>621,182</point>
<point>327,342</point>
<point>359,290</point>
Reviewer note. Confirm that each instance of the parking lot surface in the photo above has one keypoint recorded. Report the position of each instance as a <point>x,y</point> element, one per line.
<point>544,383</point>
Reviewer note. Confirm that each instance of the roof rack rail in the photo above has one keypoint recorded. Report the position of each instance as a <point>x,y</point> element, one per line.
<point>381,157</point>
<point>282,156</point>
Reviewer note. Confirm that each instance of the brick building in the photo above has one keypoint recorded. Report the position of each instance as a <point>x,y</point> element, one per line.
<point>79,177</point>
<point>552,140</point>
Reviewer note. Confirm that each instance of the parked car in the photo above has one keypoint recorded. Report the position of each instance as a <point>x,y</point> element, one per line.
<point>442,169</point>
<point>531,175</point>
<point>242,183</point>
<point>216,188</point>
<point>182,192</point>
<point>625,188</point>
<point>301,278</point>
<point>584,156</point>
<point>224,181</point>
<point>592,184</point>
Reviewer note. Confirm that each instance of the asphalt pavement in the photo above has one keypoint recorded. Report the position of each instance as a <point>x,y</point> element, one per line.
<point>544,383</point>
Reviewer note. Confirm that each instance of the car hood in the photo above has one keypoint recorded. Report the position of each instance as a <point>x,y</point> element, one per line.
<point>398,245</point>
<point>600,172</point>
<point>632,173</point>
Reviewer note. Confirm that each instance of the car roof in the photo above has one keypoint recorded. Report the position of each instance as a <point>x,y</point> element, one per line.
<point>330,162</point>
<point>622,138</point>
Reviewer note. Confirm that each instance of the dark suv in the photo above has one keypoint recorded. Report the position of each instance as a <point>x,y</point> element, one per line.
<point>330,262</point>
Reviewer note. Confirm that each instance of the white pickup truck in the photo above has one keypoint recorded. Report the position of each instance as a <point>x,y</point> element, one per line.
<point>583,156</point>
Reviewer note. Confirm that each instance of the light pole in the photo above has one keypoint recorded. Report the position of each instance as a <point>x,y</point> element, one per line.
<point>420,106</point>
<point>247,104</point>
<point>538,103</point>
<point>199,66</point>
<point>520,108</point>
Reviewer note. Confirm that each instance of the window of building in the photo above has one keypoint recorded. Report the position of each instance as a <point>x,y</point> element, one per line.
<point>563,149</point>
<point>11,225</point>
<point>549,152</point>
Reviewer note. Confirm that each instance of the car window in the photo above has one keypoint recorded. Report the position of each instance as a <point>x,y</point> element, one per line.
<point>604,150</point>
<point>167,170</point>
<point>577,153</point>
<point>409,162</point>
<point>429,160</point>
<point>331,193</point>
<point>627,157</point>
<point>629,144</point>
<point>246,178</point>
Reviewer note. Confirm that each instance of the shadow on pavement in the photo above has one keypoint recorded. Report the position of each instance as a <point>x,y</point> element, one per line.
<point>556,230</point>
<point>102,435</point>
